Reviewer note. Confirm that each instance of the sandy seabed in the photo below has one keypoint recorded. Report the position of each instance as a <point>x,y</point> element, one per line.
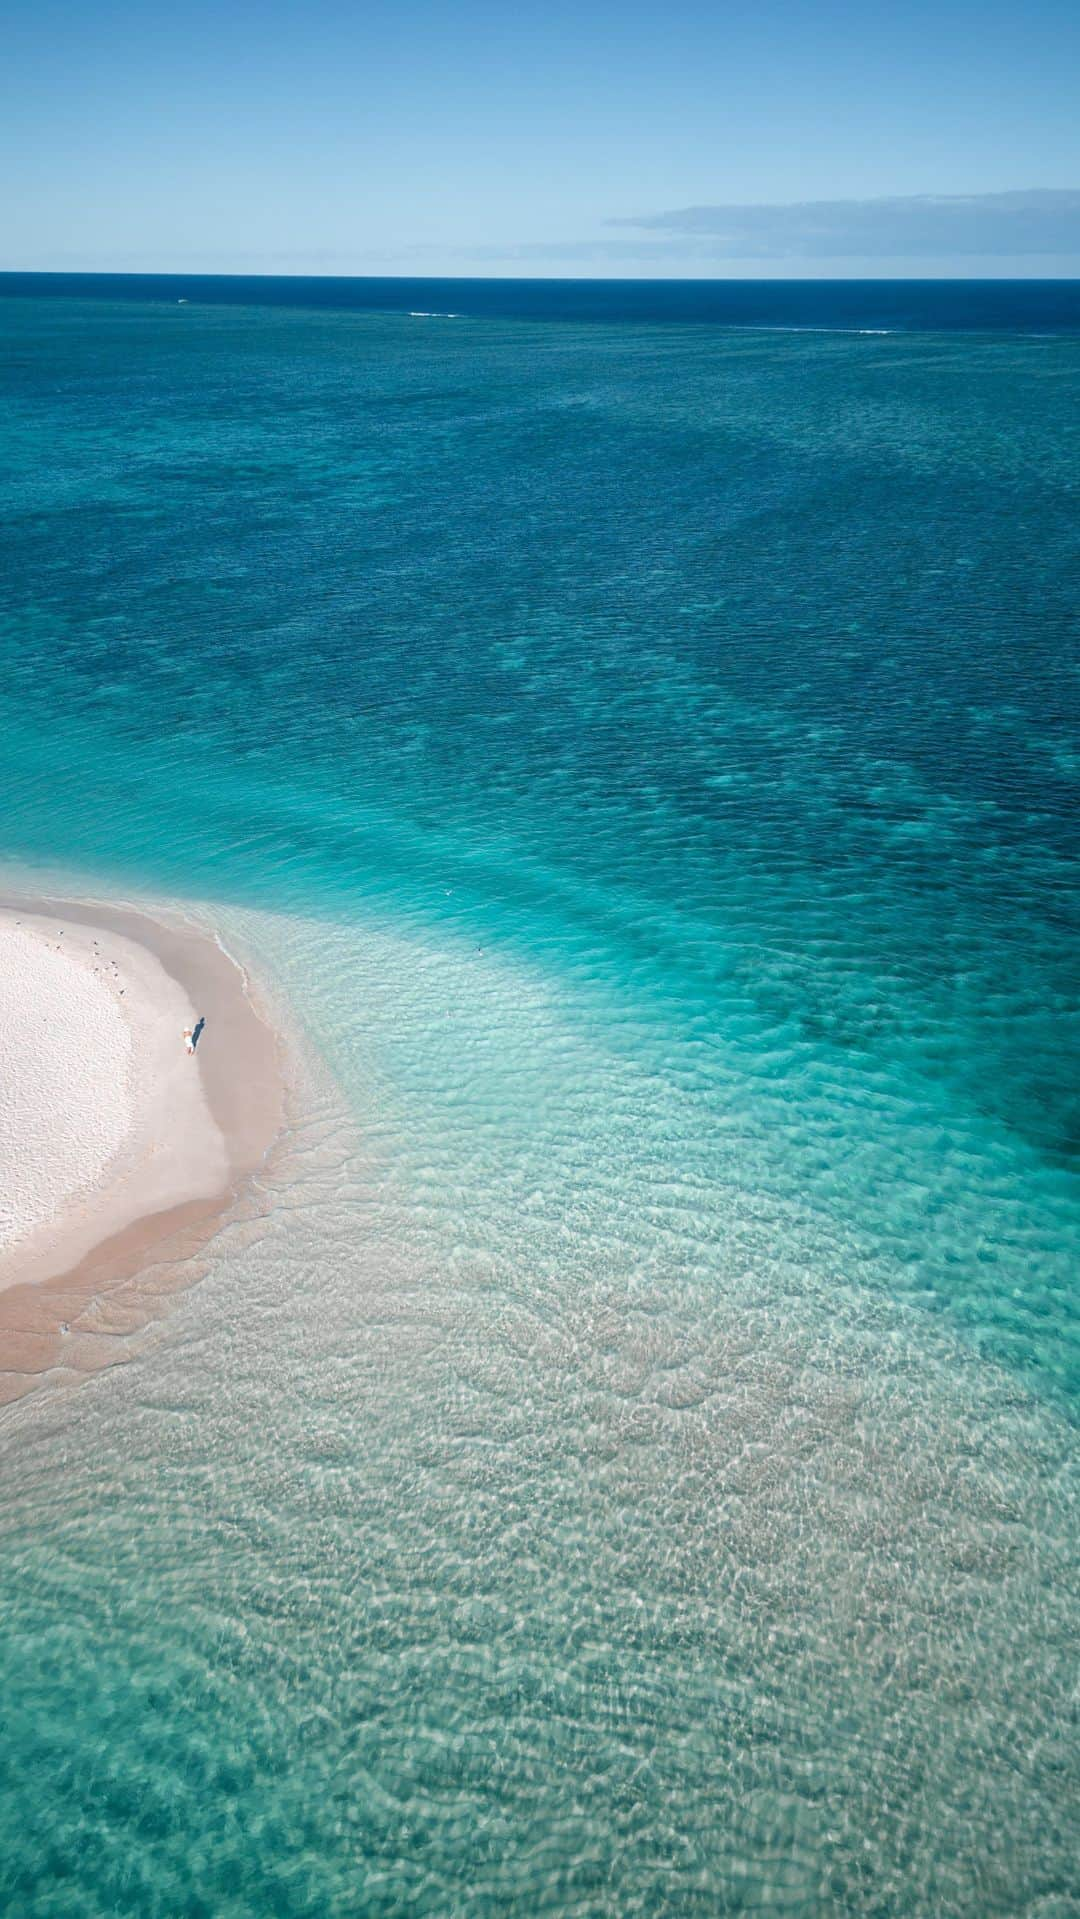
<point>119,1149</point>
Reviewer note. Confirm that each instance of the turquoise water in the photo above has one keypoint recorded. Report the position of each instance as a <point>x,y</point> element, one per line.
<point>631,1467</point>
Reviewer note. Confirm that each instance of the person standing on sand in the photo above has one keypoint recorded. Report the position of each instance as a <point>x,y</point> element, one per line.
<point>191,1036</point>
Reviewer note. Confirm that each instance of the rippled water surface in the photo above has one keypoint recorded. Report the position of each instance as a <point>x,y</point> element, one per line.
<point>630,1465</point>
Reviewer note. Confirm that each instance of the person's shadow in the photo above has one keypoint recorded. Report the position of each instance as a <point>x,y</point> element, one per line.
<point>195,1034</point>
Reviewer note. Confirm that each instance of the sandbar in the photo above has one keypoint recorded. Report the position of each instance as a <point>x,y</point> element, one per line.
<point>119,1148</point>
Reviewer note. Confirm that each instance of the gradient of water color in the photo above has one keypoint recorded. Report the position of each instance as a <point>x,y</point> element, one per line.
<point>632,1467</point>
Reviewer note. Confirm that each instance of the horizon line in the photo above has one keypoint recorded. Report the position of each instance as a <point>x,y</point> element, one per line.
<point>540,279</point>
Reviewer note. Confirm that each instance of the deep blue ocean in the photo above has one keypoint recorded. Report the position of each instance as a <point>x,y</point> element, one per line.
<point>630,1464</point>
<point>995,306</point>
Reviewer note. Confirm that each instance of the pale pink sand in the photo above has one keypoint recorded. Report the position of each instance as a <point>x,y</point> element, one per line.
<point>65,1075</point>
<point>103,1114</point>
<point>117,1146</point>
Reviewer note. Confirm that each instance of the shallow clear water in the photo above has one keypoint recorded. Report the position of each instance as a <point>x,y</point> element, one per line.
<point>632,1466</point>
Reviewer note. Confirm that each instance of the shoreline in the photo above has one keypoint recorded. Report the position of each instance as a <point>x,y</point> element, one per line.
<point>181,1135</point>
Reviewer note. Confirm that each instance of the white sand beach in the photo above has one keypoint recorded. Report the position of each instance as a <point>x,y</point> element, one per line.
<point>114,1135</point>
<point>58,1130</point>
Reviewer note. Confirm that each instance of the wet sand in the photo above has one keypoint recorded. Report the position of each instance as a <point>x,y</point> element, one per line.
<point>121,1152</point>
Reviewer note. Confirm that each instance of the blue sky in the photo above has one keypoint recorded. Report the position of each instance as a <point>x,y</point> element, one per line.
<point>482,138</point>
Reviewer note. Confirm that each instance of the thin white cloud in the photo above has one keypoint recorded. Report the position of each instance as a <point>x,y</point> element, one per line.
<point>1044,221</point>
